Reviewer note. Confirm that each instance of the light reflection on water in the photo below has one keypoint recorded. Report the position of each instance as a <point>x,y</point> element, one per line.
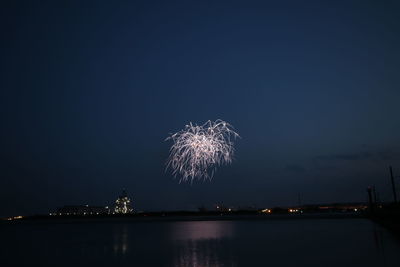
<point>120,242</point>
<point>198,244</point>
<point>311,243</point>
<point>196,231</point>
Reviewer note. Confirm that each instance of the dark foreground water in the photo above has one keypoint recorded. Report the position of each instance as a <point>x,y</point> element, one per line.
<point>324,242</point>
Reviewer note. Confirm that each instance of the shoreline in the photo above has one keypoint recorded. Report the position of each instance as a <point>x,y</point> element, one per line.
<point>184,217</point>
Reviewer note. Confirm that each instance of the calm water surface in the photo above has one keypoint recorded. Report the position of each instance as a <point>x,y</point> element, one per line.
<point>336,242</point>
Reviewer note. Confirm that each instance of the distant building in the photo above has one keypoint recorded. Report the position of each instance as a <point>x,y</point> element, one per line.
<point>82,210</point>
<point>123,204</point>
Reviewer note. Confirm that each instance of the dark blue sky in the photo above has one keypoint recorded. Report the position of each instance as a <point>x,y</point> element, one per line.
<point>89,92</point>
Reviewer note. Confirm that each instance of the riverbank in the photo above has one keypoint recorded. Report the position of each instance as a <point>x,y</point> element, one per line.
<point>184,216</point>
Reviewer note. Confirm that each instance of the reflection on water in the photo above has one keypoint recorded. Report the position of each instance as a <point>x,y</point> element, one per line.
<point>379,243</point>
<point>196,231</point>
<point>200,244</point>
<point>120,235</point>
<point>310,243</point>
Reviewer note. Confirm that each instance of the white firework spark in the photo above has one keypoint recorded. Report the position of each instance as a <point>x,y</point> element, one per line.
<point>198,150</point>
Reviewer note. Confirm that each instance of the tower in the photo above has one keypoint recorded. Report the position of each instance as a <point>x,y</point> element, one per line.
<point>123,204</point>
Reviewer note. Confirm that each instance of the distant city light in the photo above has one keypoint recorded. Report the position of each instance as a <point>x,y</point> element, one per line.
<point>14,218</point>
<point>123,204</point>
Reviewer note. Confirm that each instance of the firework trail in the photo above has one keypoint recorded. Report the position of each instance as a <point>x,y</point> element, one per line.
<point>198,150</point>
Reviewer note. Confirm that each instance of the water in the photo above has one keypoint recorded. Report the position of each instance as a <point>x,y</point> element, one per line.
<point>336,242</point>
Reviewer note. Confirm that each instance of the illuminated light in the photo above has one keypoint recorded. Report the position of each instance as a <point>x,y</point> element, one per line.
<point>123,205</point>
<point>266,211</point>
<point>293,210</point>
<point>15,218</point>
<point>355,209</point>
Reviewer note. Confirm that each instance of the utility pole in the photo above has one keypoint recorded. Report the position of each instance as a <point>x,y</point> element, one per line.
<point>370,200</point>
<point>393,185</point>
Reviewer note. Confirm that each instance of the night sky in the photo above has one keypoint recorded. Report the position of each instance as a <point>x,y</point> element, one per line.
<point>89,92</point>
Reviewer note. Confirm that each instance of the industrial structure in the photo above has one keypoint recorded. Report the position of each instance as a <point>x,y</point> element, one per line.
<point>123,204</point>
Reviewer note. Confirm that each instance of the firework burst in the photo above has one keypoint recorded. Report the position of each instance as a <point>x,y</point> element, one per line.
<point>198,150</point>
